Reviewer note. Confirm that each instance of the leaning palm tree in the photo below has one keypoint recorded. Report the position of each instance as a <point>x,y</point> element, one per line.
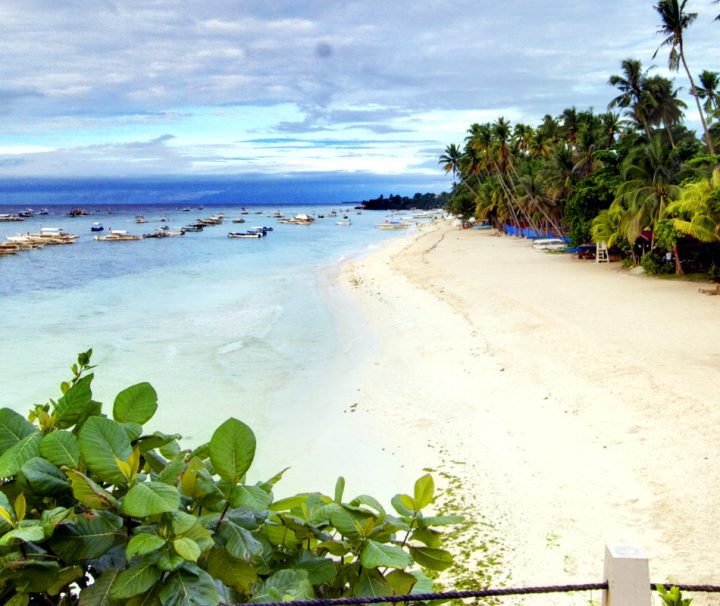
<point>673,23</point>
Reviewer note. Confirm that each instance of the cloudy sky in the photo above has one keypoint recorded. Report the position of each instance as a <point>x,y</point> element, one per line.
<point>175,87</point>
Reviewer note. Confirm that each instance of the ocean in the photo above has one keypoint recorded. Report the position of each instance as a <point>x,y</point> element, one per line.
<point>257,329</point>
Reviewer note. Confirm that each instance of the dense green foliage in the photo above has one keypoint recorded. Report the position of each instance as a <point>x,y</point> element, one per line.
<point>427,201</point>
<point>634,176</point>
<point>93,510</point>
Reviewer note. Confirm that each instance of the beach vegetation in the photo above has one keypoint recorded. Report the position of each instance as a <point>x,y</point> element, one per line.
<point>635,176</point>
<point>95,510</point>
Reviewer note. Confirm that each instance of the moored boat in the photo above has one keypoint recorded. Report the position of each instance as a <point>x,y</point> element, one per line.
<point>393,225</point>
<point>117,235</point>
<point>246,234</point>
<point>299,219</point>
<point>5,217</point>
<point>96,227</point>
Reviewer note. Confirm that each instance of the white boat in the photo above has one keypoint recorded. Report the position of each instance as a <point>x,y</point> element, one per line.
<point>117,235</point>
<point>344,223</point>
<point>393,225</point>
<point>549,244</point>
<point>299,219</point>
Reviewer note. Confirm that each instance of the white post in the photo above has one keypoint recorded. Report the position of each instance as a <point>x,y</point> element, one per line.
<point>628,576</point>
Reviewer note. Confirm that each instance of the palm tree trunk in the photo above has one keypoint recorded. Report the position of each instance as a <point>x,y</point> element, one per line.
<point>678,264</point>
<point>693,92</point>
<point>669,132</point>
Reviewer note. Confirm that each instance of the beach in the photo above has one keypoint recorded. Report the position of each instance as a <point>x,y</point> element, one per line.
<point>575,403</point>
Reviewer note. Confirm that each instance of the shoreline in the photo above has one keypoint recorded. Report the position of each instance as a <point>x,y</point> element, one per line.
<point>574,400</point>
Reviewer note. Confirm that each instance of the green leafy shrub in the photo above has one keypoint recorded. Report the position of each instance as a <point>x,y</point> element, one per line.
<point>714,273</point>
<point>672,596</point>
<point>655,265</point>
<point>95,511</point>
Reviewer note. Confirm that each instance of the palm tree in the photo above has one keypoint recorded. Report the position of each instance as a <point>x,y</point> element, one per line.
<point>650,174</point>
<point>709,90</point>
<point>665,108</point>
<point>696,213</point>
<point>632,93</point>
<point>570,124</point>
<point>674,21</point>
<point>611,127</point>
<point>451,160</point>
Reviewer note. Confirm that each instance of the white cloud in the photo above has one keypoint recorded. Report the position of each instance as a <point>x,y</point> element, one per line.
<point>88,72</point>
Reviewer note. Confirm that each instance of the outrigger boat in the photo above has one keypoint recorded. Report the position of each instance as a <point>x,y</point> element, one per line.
<point>246,234</point>
<point>301,219</point>
<point>118,235</point>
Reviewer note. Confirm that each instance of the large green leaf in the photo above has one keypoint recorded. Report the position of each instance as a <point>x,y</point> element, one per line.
<point>13,428</point>
<point>87,537</point>
<point>239,542</point>
<point>400,582</point>
<point>187,549</point>
<point>348,523</point>
<point>16,456</point>
<point>403,504</point>
<point>61,448</point>
<point>252,497</point>
<point>43,478</point>
<point>98,594</point>
<point>23,534</point>
<point>232,450</point>
<point>374,555</point>
<point>233,572</point>
<point>433,559</point>
<point>371,584</point>
<point>101,442</point>
<point>50,518</point>
<point>135,580</point>
<point>150,498</point>
<point>182,588</point>
<point>319,570</point>
<point>89,493</point>
<point>34,576</point>
<point>136,404</point>
<point>285,585</point>
<point>76,404</point>
<point>143,543</point>
<point>369,501</point>
<point>424,491</point>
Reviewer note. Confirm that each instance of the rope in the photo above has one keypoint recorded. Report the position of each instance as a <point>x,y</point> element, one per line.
<point>479,593</point>
<point>446,595</point>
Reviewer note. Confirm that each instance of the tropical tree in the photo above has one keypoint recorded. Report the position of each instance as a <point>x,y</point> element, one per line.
<point>633,95</point>
<point>451,160</point>
<point>651,173</point>
<point>673,23</point>
<point>665,107</point>
<point>611,125</point>
<point>696,212</point>
<point>709,90</point>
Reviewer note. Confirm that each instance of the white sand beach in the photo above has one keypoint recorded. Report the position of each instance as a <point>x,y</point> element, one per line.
<point>578,403</point>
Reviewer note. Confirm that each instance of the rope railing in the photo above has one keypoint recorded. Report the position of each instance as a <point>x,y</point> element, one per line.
<point>478,593</point>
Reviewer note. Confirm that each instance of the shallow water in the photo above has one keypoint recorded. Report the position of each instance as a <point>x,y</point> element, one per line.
<point>255,329</point>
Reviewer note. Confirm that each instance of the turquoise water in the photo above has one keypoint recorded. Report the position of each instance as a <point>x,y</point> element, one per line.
<point>255,329</point>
